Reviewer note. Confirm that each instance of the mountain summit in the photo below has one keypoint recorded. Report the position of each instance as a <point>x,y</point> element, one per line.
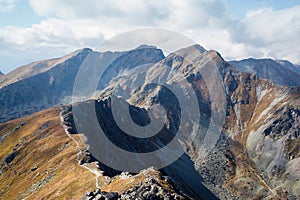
<point>46,83</point>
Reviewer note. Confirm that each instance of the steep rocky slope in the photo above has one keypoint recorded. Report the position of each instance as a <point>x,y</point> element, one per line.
<point>258,125</point>
<point>35,68</point>
<point>39,160</point>
<point>260,135</point>
<point>254,123</point>
<point>44,84</point>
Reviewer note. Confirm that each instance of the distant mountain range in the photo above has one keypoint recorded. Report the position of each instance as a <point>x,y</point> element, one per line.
<point>257,150</point>
<point>44,84</point>
<point>50,82</point>
<point>279,72</point>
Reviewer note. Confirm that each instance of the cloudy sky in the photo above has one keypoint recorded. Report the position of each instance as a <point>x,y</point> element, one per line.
<point>38,29</point>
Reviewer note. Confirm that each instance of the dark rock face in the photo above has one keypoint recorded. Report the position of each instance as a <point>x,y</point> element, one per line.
<point>255,107</point>
<point>98,195</point>
<point>150,189</point>
<point>182,171</point>
<point>225,170</point>
<point>285,124</point>
<point>11,157</point>
<point>68,120</point>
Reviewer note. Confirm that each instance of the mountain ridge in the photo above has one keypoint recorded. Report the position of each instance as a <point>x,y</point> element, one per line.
<point>55,85</point>
<point>256,154</point>
<point>270,69</point>
<point>36,67</point>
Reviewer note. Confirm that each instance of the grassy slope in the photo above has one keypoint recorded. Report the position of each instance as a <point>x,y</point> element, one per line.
<point>58,175</point>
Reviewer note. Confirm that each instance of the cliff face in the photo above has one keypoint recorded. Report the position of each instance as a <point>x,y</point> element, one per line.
<point>258,150</point>
<point>262,127</point>
<point>246,143</point>
<point>41,157</point>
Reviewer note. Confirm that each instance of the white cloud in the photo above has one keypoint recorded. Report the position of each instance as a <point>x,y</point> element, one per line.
<point>51,38</point>
<point>271,33</point>
<point>72,24</point>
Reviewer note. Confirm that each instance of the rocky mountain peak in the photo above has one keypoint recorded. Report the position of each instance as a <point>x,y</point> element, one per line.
<point>81,52</point>
<point>197,47</point>
<point>1,74</point>
<point>191,50</point>
<point>197,53</point>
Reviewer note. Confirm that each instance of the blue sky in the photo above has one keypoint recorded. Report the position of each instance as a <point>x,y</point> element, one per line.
<point>239,8</point>
<point>21,14</point>
<point>39,29</point>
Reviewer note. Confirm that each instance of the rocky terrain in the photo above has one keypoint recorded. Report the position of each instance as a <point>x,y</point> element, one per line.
<point>255,111</point>
<point>242,163</point>
<point>148,184</point>
<point>44,84</point>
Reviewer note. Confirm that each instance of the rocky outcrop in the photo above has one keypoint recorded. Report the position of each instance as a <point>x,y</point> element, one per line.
<point>148,184</point>
<point>98,195</point>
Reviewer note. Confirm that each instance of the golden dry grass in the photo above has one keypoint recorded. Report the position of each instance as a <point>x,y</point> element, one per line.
<point>52,151</point>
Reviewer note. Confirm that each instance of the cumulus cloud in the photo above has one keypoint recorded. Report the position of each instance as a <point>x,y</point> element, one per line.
<point>129,11</point>
<point>272,33</point>
<point>72,24</point>
<point>51,38</point>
